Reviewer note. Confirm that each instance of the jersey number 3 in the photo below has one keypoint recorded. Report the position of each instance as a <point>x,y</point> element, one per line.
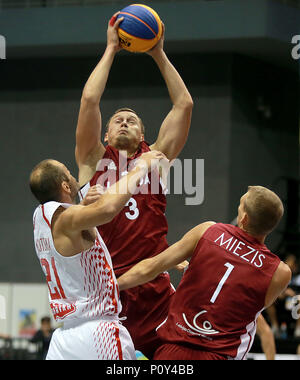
<point>133,212</point>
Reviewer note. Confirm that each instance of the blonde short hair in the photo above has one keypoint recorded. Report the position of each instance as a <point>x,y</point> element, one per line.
<point>264,209</point>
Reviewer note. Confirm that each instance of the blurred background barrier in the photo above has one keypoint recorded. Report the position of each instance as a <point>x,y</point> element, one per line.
<point>18,349</point>
<point>58,3</point>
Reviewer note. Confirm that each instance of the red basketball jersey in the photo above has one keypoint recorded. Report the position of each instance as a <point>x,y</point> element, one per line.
<point>221,294</point>
<point>139,230</point>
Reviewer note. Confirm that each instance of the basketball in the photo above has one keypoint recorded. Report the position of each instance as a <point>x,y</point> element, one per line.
<point>141,28</point>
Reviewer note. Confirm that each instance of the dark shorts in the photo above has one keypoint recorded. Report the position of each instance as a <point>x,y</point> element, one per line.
<point>146,307</point>
<point>175,352</point>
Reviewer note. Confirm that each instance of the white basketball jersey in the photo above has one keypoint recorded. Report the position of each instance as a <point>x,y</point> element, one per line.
<point>83,191</point>
<point>81,287</point>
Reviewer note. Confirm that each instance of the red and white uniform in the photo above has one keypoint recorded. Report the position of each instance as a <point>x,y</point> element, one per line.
<point>222,293</point>
<point>84,294</point>
<point>136,233</point>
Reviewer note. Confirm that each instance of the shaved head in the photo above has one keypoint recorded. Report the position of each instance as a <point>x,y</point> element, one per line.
<point>46,179</point>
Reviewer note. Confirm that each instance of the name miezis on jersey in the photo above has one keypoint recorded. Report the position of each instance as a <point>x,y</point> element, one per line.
<point>240,249</point>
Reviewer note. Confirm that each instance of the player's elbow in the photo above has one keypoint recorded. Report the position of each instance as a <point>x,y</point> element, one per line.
<point>189,103</point>
<point>185,102</point>
<point>89,98</point>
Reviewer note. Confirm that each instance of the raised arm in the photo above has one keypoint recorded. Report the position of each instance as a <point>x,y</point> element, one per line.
<point>175,128</point>
<point>89,149</point>
<point>148,269</point>
<point>78,218</point>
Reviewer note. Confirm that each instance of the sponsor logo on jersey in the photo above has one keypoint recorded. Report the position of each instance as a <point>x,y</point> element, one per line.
<point>60,311</point>
<point>205,328</point>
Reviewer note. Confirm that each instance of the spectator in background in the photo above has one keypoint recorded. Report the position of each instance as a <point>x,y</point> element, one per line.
<point>279,314</point>
<point>42,338</point>
<point>4,336</point>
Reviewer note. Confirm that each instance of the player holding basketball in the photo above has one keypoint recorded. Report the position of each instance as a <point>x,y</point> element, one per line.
<point>231,278</point>
<point>83,290</point>
<point>140,230</point>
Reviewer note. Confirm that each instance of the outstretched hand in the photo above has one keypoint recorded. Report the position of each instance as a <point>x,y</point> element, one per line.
<point>160,44</point>
<point>150,160</point>
<point>93,195</point>
<point>112,32</point>
<point>182,266</point>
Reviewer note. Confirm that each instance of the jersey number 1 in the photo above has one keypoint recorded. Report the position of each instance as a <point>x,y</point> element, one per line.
<point>222,282</point>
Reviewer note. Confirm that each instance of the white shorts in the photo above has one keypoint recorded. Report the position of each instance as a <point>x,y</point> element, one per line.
<point>92,340</point>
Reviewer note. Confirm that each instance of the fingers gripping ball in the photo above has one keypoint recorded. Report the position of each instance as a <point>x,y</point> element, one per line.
<point>141,28</point>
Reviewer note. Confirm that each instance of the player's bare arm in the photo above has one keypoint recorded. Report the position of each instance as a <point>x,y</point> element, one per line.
<point>279,283</point>
<point>89,148</point>
<point>175,128</point>
<point>267,339</point>
<point>149,269</point>
<point>69,224</point>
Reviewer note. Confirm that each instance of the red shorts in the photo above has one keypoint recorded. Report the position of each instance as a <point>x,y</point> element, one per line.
<point>146,307</point>
<point>175,352</point>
